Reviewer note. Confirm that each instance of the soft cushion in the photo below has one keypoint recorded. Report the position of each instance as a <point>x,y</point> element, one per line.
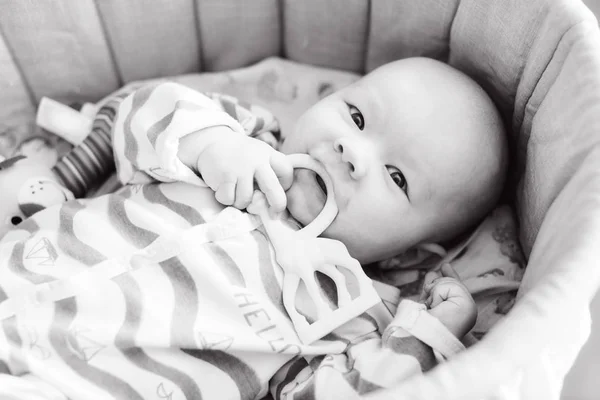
<point>539,60</point>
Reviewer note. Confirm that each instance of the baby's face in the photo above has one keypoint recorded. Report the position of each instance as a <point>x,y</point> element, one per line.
<point>400,155</point>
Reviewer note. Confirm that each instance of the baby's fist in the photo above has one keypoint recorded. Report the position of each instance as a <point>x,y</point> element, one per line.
<point>449,301</point>
<point>233,165</point>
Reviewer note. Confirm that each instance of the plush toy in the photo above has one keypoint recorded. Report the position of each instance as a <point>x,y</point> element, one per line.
<point>29,186</point>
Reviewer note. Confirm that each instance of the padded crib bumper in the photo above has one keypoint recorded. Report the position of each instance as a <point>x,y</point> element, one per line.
<point>538,59</point>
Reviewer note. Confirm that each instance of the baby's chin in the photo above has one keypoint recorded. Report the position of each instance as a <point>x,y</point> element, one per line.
<point>305,199</point>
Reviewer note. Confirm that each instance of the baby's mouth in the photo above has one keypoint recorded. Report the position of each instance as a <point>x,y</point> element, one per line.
<point>321,183</point>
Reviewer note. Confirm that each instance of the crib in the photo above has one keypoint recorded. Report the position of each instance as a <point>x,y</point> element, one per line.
<point>539,60</point>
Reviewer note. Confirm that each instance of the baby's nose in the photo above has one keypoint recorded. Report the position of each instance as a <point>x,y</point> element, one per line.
<point>353,155</point>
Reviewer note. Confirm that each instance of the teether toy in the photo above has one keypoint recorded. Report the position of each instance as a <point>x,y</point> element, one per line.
<point>27,187</point>
<point>302,253</point>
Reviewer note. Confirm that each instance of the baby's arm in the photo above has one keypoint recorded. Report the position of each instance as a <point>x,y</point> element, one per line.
<point>374,362</point>
<point>161,130</point>
<point>230,165</point>
<point>448,300</point>
<point>149,125</point>
<point>369,364</point>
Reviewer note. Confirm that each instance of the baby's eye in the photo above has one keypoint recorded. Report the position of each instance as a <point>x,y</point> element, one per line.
<point>357,116</point>
<point>398,178</point>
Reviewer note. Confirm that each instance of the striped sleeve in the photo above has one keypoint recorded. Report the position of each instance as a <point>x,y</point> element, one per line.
<point>152,120</point>
<point>256,121</point>
<point>364,367</point>
<point>380,359</point>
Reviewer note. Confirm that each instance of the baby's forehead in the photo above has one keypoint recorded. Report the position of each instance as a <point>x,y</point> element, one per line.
<point>416,75</point>
<point>388,93</point>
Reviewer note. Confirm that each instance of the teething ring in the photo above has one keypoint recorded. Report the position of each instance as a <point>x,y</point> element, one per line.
<point>330,210</point>
<point>300,255</point>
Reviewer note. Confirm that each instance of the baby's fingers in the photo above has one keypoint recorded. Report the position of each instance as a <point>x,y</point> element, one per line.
<point>225,193</point>
<point>243,192</point>
<point>430,277</point>
<point>449,272</point>
<point>269,184</point>
<point>439,292</point>
<point>428,280</point>
<point>433,277</point>
<point>441,286</point>
<point>283,169</point>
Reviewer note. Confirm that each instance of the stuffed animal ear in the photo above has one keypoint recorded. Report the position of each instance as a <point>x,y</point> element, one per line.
<point>28,209</point>
<point>6,163</point>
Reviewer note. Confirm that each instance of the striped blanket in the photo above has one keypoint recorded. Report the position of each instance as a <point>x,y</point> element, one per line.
<point>158,291</point>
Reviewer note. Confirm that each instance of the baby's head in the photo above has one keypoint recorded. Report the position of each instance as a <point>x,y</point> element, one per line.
<point>416,152</point>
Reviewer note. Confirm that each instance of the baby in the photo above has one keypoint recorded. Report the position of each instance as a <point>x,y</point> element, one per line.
<point>416,151</point>
<point>416,154</point>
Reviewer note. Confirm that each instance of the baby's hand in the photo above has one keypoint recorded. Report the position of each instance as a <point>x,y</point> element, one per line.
<point>449,301</point>
<point>232,164</point>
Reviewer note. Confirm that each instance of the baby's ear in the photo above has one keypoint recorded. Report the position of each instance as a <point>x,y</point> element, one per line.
<point>421,255</point>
